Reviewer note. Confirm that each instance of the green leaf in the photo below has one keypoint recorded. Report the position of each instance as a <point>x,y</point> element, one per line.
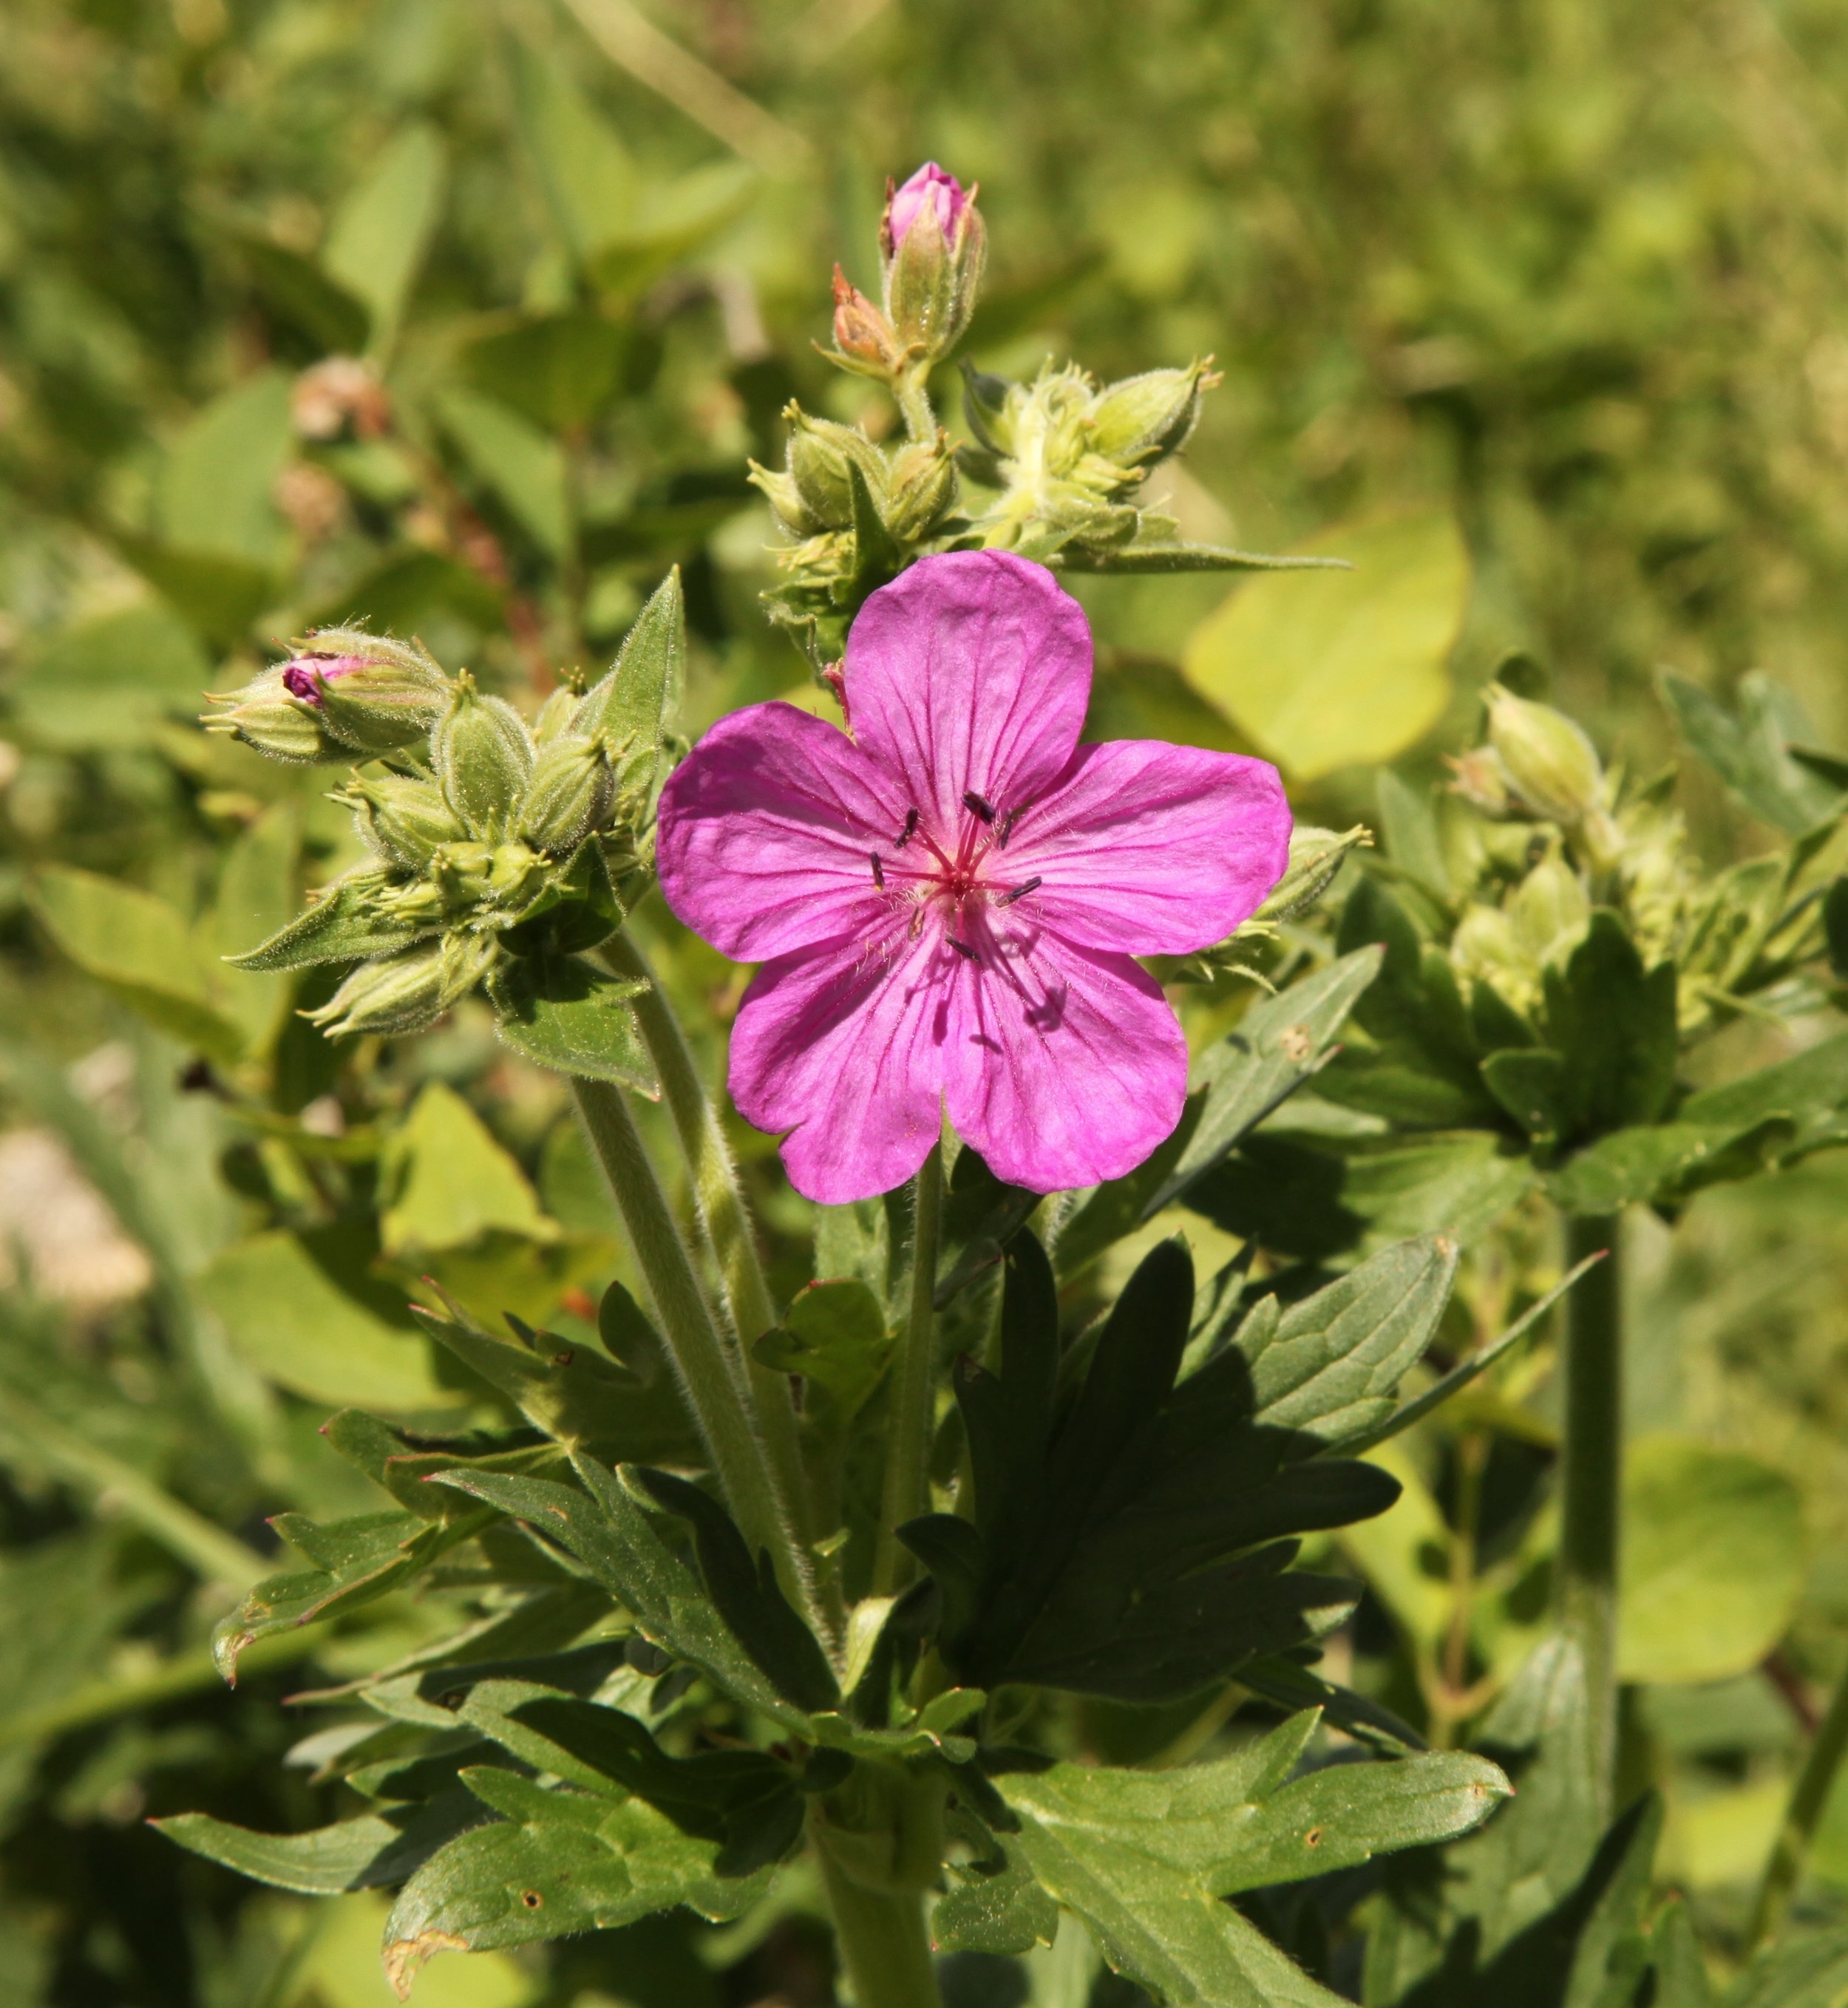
<point>1155,557</point>
<point>341,926</point>
<point>523,466</point>
<point>994,1906</point>
<point>834,1335</point>
<point>630,706</point>
<point>590,182</point>
<point>141,950</point>
<point>1140,1855</point>
<point>570,1863</point>
<point>1336,669</point>
<point>1275,1047</point>
<point>558,371</point>
<point>212,495</point>
<point>449,1181</point>
<point>302,1311</point>
<point>105,682</point>
<point>564,1013</point>
<point>298,292</point>
<point>1750,750</point>
<point>981,1215</point>
<point>353,1854</point>
<point>1660,1163</point>
<point>380,234</point>
<point>220,595</point>
<point>1612,1024</point>
<point>1804,1969</point>
<point>256,894</point>
<point>1413,841</point>
<point>1809,1090</point>
<point>673,219</point>
<point>616,1541</point>
<point>1835,928</point>
<point>1713,1560</point>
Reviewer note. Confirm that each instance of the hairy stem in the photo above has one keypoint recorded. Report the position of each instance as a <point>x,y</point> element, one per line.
<point>914,406</point>
<point>724,1219</point>
<point>1590,1483</point>
<point>882,1942</point>
<point>714,1390</point>
<point>907,1492</point>
<point>1813,1784</point>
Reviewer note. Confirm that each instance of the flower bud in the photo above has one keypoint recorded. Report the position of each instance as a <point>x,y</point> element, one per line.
<point>934,243</point>
<point>1480,778</point>
<point>373,693</point>
<point>820,454</point>
<point>922,490</point>
<point>1146,418</point>
<point>406,821</point>
<point>863,336</point>
<point>556,714</point>
<point>408,991</point>
<point>264,715</point>
<point>335,393</point>
<point>785,499</point>
<point>1553,765</point>
<point>1549,911</point>
<point>482,754</point>
<point>573,789</point>
<point>1487,948</point>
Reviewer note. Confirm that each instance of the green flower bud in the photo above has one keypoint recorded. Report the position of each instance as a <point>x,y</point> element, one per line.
<point>935,243</point>
<point>373,692</point>
<point>922,490</point>
<point>821,453</point>
<point>1146,418</point>
<point>792,512</point>
<point>556,714</point>
<point>1549,911</point>
<point>572,789</point>
<point>405,821</point>
<point>1486,948</point>
<point>482,754</point>
<point>264,715</point>
<point>1553,765</point>
<point>407,992</point>
<point>1480,778</point>
<point>516,874</point>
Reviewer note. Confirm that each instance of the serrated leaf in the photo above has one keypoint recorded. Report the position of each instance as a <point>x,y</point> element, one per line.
<point>1750,750</point>
<point>1660,1163</point>
<point>1809,1090</point>
<point>1613,1024</point>
<point>1275,1047</point>
<point>996,1908</point>
<point>834,1335</point>
<point>562,1012</point>
<point>357,1853</point>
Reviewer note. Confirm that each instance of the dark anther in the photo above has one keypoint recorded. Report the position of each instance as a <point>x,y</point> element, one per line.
<point>909,831</point>
<point>879,871</point>
<point>962,948</point>
<point>977,805</point>
<point>1019,892</point>
<point>1007,824</point>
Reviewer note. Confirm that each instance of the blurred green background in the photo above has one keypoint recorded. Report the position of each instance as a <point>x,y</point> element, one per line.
<point>1573,271</point>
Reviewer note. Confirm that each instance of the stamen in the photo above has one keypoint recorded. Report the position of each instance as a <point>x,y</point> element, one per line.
<point>976,805</point>
<point>909,831</point>
<point>962,948</point>
<point>879,871</point>
<point>1007,824</point>
<point>1019,892</point>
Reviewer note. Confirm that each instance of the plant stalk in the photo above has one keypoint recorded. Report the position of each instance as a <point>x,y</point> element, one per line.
<point>724,1218</point>
<point>714,1390</point>
<point>1591,1482</point>
<point>907,1490</point>
<point>1811,1794</point>
<point>881,1939</point>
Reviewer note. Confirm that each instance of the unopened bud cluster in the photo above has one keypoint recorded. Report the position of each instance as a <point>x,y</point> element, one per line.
<point>344,693</point>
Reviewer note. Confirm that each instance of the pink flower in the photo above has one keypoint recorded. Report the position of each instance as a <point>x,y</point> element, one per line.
<point>930,190</point>
<point>947,903</point>
<point>303,676</point>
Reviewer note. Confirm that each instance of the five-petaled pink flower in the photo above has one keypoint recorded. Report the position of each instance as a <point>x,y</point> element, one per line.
<point>947,903</point>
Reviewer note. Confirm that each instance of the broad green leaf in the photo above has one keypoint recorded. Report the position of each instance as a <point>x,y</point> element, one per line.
<point>219,593</point>
<point>1140,1856</point>
<point>141,949</point>
<point>1802,1969</point>
<point>213,494</point>
<point>1613,1024</point>
<point>674,218</point>
<point>617,1542</point>
<point>1713,1560</point>
<point>313,1327</point>
<point>1660,1163</point>
<point>354,1854</point>
<point>1750,750</point>
<point>1809,1090</point>
<point>834,1334</point>
<point>571,1863</point>
<point>1322,670</point>
<point>1275,1047</point>
<point>592,184</point>
<point>257,895</point>
<point>297,290</point>
<point>558,371</point>
<point>981,1215</point>
<point>994,1906</point>
<point>1409,825</point>
<point>382,229</point>
<point>631,705</point>
<point>563,1013</point>
<point>525,469</point>
<point>450,1181</point>
<point>105,682</point>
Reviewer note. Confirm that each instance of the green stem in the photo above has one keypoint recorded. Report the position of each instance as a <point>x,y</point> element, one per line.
<point>907,1492</point>
<point>882,1941</point>
<point>724,1220</point>
<point>1813,1784</point>
<point>914,406</point>
<point>1591,1480</point>
<point>713,1389</point>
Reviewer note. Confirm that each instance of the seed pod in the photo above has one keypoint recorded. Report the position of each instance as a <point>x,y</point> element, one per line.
<point>1553,765</point>
<point>406,821</point>
<point>570,792</point>
<point>482,754</point>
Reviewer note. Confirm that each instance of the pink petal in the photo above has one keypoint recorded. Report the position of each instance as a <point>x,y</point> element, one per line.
<point>1151,849</point>
<point>1066,1066</point>
<point>842,1046</point>
<point>971,672</point>
<point>766,833</point>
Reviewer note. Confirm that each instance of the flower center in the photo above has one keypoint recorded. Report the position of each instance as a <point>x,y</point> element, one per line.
<point>956,878</point>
